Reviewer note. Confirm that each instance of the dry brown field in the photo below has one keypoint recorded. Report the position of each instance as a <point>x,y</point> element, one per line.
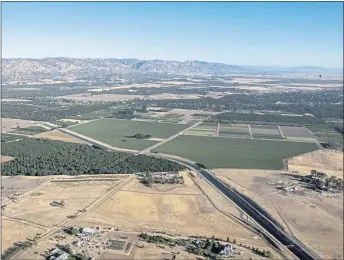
<point>8,124</point>
<point>315,219</point>
<point>35,207</point>
<point>59,136</point>
<point>13,231</point>
<point>329,162</point>
<point>182,209</point>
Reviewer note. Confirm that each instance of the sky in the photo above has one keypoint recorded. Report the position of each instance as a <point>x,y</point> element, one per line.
<point>239,33</point>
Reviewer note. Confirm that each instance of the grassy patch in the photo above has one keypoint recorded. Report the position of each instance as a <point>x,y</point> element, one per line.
<point>115,132</point>
<point>220,152</point>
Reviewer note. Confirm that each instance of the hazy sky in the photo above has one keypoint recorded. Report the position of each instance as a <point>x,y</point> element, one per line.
<point>269,34</point>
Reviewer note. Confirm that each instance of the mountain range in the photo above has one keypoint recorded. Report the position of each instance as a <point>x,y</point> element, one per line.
<point>29,70</point>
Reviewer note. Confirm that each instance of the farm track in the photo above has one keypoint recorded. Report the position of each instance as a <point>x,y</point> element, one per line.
<point>26,222</point>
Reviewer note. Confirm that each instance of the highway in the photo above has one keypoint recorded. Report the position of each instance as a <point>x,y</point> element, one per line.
<point>257,214</point>
<point>253,210</point>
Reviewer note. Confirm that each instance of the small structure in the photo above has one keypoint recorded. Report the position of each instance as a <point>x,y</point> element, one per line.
<point>58,254</point>
<point>227,251</point>
<point>88,231</point>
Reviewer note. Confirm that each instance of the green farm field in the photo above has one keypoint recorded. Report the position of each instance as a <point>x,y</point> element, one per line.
<point>116,132</point>
<point>223,152</point>
<point>234,130</point>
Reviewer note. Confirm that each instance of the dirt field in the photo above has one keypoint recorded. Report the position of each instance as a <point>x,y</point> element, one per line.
<point>182,209</point>
<point>329,162</point>
<point>314,219</point>
<point>59,136</point>
<point>8,124</point>
<point>5,158</point>
<point>16,232</point>
<point>19,184</point>
<point>36,207</point>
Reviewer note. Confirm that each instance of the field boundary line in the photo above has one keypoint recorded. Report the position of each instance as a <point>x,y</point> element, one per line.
<point>280,130</point>
<point>249,129</point>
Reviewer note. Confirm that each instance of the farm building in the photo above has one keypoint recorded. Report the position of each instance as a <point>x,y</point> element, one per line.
<point>167,177</point>
<point>88,231</point>
<point>58,254</point>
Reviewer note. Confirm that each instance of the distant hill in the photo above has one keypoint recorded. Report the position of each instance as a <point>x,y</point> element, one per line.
<point>35,70</point>
<point>70,69</point>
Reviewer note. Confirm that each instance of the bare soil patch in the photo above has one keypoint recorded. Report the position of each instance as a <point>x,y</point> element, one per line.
<point>9,124</point>
<point>59,136</point>
<point>329,162</point>
<point>5,158</point>
<point>315,219</point>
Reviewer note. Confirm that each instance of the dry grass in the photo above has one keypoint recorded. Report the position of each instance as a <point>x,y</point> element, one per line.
<point>329,162</point>
<point>314,219</point>
<point>16,232</point>
<point>36,207</point>
<point>8,124</point>
<point>59,136</point>
<point>183,210</point>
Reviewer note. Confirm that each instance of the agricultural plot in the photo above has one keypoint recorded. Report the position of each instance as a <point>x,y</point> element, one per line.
<point>297,133</point>
<point>219,152</point>
<point>200,132</point>
<point>183,210</point>
<point>117,132</point>
<point>170,118</point>
<point>265,132</point>
<point>234,130</point>
<point>206,126</point>
<point>39,207</point>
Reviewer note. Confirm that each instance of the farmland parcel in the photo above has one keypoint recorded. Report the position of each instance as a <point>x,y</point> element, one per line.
<point>220,152</point>
<point>117,132</point>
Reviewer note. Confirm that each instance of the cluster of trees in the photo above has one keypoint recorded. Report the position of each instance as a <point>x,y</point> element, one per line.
<point>49,112</point>
<point>9,137</point>
<point>140,136</point>
<point>321,181</point>
<point>322,104</point>
<point>33,91</point>
<point>38,157</point>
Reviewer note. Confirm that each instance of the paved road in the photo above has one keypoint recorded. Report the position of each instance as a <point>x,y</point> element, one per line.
<point>251,209</point>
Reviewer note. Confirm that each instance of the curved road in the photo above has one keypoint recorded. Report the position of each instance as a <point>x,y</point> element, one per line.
<point>252,210</point>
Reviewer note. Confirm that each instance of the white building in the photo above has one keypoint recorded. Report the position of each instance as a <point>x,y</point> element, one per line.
<point>88,231</point>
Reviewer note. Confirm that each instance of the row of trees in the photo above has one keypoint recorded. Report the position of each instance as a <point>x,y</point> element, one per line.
<point>38,157</point>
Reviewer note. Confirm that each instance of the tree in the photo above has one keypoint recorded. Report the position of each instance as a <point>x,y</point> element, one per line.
<point>234,241</point>
<point>227,239</point>
<point>268,254</point>
<point>62,203</point>
<point>75,231</point>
